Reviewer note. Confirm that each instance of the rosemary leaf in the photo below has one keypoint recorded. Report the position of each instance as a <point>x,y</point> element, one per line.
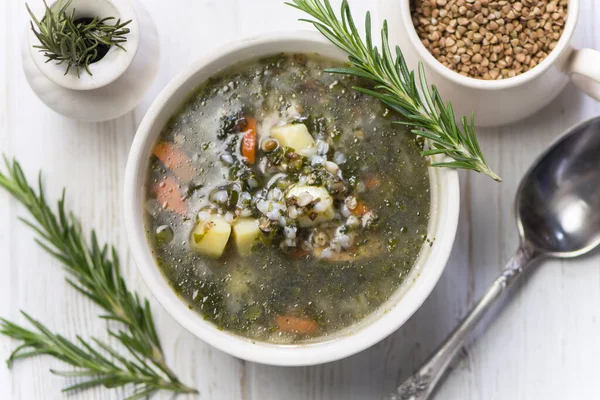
<point>95,272</point>
<point>396,86</point>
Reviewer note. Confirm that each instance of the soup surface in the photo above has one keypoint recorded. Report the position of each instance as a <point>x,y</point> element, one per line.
<point>281,204</point>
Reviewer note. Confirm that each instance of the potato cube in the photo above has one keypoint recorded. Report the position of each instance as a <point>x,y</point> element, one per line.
<point>325,210</point>
<point>245,233</point>
<point>210,236</point>
<point>295,136</point>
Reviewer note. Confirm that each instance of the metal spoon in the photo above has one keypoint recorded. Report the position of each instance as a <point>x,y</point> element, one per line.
<point>558,215</point>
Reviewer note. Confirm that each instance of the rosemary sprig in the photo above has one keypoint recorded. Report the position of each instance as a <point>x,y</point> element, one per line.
<point>78,43</point>
<point>94,272</point>
<point>113,372</point>
<point>395,85</point>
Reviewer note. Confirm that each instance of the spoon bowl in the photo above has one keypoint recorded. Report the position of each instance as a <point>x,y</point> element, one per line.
<point>559,198</point>
<point>557,214</point>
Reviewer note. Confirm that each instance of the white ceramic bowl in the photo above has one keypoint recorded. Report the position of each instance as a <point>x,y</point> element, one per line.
<point>111,66</point>
<point>407,299</point>
<point>512,99</point>
<point>120,79</point>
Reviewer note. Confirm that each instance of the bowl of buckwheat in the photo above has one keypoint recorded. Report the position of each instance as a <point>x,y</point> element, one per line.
<point>503,59</point>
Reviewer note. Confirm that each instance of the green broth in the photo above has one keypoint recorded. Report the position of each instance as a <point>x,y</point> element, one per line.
<point>246,294</point>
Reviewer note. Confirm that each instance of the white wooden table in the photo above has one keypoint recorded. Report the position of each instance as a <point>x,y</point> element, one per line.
<point>544,345</point>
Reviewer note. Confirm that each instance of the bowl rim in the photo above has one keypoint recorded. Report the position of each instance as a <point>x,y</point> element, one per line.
<point>507,83</point>
<point>389,320</point>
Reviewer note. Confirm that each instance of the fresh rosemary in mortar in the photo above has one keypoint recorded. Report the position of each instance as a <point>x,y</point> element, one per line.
<point>422,106</point>
<point>76,42</point>
<point>94,271</point>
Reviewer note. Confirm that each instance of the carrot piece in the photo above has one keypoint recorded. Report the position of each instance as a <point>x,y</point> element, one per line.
<point>174,159</point>
<point>372,182</point>
<point>360,209</point>
<point>169,196</point>
<point>249,141</point>
<point>298,253</point>
<point>290,324</point>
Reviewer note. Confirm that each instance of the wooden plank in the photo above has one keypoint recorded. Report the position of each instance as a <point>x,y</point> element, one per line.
<point>528,350</point>
<point>8,304</point>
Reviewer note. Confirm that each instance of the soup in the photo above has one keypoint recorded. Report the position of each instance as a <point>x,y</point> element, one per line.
<point>281,204</point>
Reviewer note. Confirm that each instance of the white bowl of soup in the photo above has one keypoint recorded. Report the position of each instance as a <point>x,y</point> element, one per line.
<point>279,215</point>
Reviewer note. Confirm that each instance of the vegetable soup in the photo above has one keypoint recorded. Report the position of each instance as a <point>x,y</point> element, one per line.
<point>281,204</point>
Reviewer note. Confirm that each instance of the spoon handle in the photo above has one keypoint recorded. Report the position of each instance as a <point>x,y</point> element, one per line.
<point>422,383</point>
